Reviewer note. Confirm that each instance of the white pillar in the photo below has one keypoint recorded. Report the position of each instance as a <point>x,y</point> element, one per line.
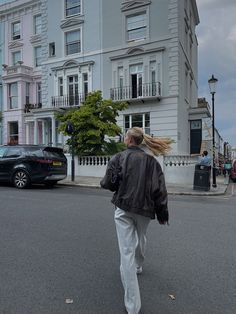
<point>44,132</point>
<point>53,131</point>
<point>36,131</point>
<point>27,133</point>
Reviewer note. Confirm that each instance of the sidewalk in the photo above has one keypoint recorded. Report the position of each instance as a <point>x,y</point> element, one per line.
<point>173,189</point>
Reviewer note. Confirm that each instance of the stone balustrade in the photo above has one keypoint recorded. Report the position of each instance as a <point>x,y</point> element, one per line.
<point>178,169</point>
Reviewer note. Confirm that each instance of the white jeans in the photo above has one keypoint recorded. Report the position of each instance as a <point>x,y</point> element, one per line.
<point>131,232</point>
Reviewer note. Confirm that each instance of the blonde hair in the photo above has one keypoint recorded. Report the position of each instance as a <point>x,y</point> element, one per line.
<point>158,146</point>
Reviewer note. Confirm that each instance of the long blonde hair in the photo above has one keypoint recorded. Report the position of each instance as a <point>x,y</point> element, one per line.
<point>158,146</point>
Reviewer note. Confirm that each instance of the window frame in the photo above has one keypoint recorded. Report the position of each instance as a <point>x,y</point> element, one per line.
<point>36,63</point>
<point>39,92</point>
<point>143,115</point>
<point>13,137</point>
<point>137,28</point>
<point>27,93</point>
<point>16,34</point>
<point>12,97</point>
<point>14,62</point>
<point>60,83</point>
<point>71,8</point>
<point>85,80</point>
<point>72,42</point>
<point>52,49</point>
<point>37,25</point>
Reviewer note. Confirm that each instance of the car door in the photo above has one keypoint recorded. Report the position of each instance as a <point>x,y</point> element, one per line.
<point>2,163</point>
<point>9,159</point>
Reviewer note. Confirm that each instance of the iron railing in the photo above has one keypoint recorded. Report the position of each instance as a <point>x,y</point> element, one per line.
<point>67,100</point>
<point>146,90</point>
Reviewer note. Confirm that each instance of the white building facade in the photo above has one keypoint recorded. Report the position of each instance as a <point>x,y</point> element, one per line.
<point>140,51</point>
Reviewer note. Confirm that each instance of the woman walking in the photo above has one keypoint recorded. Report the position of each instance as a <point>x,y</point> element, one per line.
<point>140,195</point>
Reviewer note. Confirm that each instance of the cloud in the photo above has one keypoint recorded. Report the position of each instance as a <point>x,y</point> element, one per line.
<point>216,35</point>
<point>212,4</point>
<point>232,34</point>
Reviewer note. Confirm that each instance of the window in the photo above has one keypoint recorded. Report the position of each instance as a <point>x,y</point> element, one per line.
<point>2,151</point>
<point>13,133</point>
<point>16,30</point>
<point>37,56</point>
<point>60,86</point>
<point>186,85</point>
<point>16,56</point>
<point>136,72</point>
<point>52,50</point>
<point>85,84</point>
<point>13,152</point>
<point>13,95</point>
<point>73,7</point>
<point>37,24</point>
<point>195,136</point>
<point>39,93</point>
<point>73,42</point>
<point>27,93</point>
<point>136,26</point>
<point>141,120</point>
<point>120,77</point>
<point>73,89</point>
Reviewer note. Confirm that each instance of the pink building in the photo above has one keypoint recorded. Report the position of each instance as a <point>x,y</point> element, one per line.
<point>21,69</point>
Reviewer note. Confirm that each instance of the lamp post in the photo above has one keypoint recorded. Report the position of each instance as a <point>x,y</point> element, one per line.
<point>70,131</point>
<point>212,86</point>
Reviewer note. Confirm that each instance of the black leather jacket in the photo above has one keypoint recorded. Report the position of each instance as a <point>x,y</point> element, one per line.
<point>142,187</point>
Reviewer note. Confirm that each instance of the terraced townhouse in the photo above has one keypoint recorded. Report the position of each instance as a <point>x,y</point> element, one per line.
<point>55,52</point>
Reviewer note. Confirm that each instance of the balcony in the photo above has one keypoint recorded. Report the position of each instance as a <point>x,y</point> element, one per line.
<point>19,69</point>
<point>29,107</point>
<point>143,91</point>
<point>67,101</point>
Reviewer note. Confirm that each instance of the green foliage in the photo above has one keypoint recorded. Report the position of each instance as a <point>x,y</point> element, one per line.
<point>95,119</point>
<point>112,147</point>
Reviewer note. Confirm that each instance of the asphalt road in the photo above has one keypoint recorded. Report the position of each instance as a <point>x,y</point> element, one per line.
<point>59,245</point>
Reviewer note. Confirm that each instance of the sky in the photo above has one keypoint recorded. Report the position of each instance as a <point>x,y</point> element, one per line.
<point>216,35</point>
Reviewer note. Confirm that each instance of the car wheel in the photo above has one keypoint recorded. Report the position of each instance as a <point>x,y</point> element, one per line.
<point>21,179</point>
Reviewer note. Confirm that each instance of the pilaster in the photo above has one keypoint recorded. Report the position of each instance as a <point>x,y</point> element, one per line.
<point>173,54</point>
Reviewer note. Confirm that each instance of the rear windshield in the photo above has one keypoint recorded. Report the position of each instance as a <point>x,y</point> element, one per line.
<point>52,152</point>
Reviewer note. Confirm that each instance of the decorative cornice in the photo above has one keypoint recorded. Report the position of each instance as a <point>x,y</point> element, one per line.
<point>133,4</point>
<point>17,7</point>
<point>72,64</point>
<point>15,44</point>
<point>136,52</point>
<point>74,21</point>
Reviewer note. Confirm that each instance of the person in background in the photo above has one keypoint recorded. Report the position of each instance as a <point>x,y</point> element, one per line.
<point>205,160</point>
<point>140,196</point>
<point>227,167</point>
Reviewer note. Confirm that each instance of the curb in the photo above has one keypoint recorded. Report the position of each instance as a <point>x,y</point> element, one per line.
<point>96,186</point>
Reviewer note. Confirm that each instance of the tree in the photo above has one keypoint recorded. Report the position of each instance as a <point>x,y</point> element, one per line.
<point>92,122</point>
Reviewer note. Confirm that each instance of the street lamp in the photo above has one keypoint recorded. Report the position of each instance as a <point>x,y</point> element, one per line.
<point>70,131</point>
<point>212,86</point>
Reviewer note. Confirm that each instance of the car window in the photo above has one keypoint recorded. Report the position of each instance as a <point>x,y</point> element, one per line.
<point>2,151</point>
<point>13,152</point>
<point>34,151</point>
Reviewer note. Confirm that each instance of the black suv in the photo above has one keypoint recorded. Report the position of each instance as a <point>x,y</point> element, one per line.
<point>23,165</point>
